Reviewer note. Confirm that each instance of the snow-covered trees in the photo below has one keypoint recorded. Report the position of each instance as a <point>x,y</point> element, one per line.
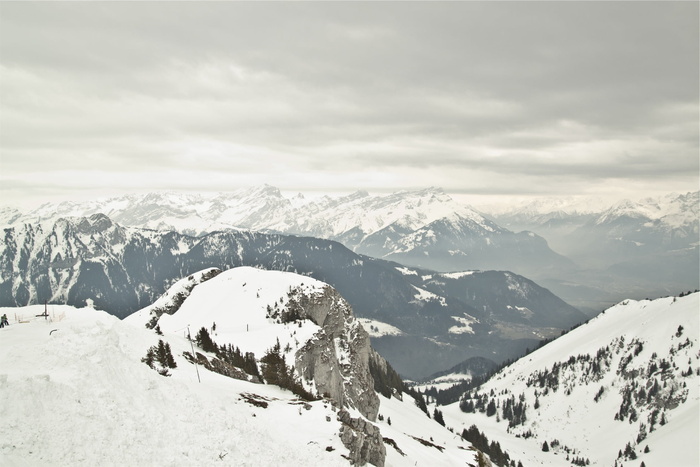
<point>437,416</point>
<point>492,449</point>
<point>275,371</point>
<point>162,355</point>
<point>204,341</point>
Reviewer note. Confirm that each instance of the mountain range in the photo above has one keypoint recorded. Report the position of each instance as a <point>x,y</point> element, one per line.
<point>632,249</point>
<point>438,319</point>
<point>590,253</point>
<point>621,389</point>
<point>424,228</point>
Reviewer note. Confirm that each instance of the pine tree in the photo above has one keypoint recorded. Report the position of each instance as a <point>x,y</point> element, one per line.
<point>204,341</point>
<point>545,447</point>
<point>437,416</point>
<point>491,409</point>
<point>250,366</point>
<point>150,357</point>
<point>170,360</point>
<point>274,368</point>
<point>161,354</point>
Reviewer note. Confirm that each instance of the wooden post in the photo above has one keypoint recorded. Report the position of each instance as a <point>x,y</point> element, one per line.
<point>194,356</point>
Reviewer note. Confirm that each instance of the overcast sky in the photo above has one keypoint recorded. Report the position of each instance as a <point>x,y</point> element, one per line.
<point>502,99</point>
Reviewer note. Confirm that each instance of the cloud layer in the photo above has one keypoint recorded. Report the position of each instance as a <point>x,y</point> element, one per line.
<point>479,98</point>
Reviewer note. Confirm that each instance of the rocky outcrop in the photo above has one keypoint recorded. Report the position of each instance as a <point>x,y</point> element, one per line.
<point>363,439</point>
<point>336,359</point>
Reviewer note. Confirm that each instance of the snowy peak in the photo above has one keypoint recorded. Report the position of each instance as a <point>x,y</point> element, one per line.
<point>256,310</point>
<point>673,210</point>
<point>398,225</point>
<point>259,208</point>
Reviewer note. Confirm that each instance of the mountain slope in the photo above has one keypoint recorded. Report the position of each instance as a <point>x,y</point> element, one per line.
<point>78,374</point>
<point>629,376</point>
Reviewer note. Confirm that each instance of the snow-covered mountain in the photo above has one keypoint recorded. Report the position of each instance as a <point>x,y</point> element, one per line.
<point>78,386</point>
<point>619,390</point>
<point>603,236</point>
<point>432,321</point>
<point>424,228</point>
<point>261,208</point>
<point>629,249</point>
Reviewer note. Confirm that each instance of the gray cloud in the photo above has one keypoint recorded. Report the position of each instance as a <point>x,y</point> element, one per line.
<point>488,97</point>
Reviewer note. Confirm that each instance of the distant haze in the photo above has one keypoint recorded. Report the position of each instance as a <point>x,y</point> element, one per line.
<point>489,100</point>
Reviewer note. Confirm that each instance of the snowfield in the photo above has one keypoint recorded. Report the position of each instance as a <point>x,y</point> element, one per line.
<point>81,396</point>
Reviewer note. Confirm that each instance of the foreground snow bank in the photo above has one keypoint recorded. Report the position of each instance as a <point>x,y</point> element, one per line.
<point>73,391</point>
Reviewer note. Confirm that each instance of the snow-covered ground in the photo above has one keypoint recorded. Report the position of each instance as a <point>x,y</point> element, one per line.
<point>81,396</point>
<point>378,328</point>
<point>74,391</point>
<point>642,333</point>
<point>233,308</point>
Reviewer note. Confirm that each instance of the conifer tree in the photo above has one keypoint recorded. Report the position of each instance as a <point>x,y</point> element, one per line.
<point>204,341</point>
<point>437,416</point>
<point>491,408</point>
<point>150,357</point>
<point>170,360</point>
<point>161,354</point>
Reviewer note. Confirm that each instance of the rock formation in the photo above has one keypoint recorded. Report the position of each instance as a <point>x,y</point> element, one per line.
<point>336,359</point>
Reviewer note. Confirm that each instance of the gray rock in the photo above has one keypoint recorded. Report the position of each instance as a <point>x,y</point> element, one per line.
<point>336,359</point>
<point>363,439</point>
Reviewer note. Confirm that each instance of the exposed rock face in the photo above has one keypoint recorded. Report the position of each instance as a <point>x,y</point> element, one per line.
<point>337,357</point>
<point>363,439</point>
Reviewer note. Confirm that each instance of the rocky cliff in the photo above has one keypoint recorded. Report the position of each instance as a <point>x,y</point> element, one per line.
<point>337,357</point>
<point>311,326</point>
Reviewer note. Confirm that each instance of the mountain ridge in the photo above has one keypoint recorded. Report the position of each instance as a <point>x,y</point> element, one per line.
<point>123,269</point>
<point>391,226</point>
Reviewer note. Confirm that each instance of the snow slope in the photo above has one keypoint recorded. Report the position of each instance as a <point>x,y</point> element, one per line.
<point>588,386</point>
<point>73,389</point>
<point>236,301</point>
<point>81,396</point>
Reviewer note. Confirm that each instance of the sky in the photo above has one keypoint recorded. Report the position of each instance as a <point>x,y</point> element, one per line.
<point>492,100</point>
